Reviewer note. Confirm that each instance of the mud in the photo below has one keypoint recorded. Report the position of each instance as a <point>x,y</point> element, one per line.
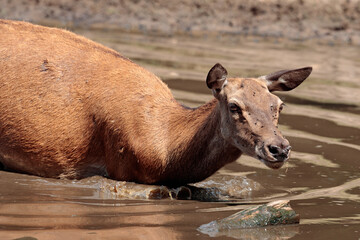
<point>329,21</point>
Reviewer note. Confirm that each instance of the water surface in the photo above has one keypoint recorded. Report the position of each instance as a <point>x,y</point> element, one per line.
<point>321,119</point>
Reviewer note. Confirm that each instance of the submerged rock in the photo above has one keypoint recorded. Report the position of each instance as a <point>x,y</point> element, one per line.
<point>274,213</point>
<point>213,190</point>
<point>229,187</point>
<point>129,190</point>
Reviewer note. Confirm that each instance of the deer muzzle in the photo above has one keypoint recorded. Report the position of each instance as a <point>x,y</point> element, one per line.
<point>275,153</point>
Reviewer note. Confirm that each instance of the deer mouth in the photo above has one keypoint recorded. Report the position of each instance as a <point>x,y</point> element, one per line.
<point>272,164</point>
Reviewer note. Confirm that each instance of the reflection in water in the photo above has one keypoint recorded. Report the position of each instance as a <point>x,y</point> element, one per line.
<point>339,107</point>
<point>322,179</point>
<point>270,233</point>
<point>338,192</point>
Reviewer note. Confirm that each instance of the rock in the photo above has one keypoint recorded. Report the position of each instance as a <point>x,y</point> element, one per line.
<point>273,213</point>
<point>216,189</point>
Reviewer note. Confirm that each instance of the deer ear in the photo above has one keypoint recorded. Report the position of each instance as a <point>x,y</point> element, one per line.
<point>216,78</point>
<point>286,80</point>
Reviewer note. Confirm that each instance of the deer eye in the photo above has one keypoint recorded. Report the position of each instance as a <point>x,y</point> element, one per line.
<point>234,108</point>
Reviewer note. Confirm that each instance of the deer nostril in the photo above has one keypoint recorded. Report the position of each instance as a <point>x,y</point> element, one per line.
<point>287,149</point>
<point>274,150</point>
<point>279,153</point>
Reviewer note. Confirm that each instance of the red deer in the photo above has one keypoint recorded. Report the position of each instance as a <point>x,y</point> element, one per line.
<point>72,108</point>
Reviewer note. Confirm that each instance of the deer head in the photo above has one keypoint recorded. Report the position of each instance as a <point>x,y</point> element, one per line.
<point>250,112</point>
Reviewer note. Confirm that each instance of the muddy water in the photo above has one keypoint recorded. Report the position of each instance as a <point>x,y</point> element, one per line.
<point>322,179</point>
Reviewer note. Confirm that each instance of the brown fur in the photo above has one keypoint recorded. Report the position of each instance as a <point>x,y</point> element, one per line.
<point>72,108</point>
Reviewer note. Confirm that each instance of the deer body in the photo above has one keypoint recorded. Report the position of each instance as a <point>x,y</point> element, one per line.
<point>72,108</point>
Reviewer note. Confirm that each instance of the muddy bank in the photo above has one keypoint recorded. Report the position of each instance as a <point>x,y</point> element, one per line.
<point>328,20</point>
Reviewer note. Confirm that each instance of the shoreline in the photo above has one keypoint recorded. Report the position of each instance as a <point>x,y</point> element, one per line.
<point>325,21</point>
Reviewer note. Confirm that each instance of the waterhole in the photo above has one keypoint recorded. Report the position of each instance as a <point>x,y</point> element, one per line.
<point>321,120</point>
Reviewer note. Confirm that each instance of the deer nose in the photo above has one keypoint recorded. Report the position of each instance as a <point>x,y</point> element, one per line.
<point>279,153</point>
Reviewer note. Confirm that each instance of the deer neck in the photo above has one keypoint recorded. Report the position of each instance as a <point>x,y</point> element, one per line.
<point>198,148</point>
